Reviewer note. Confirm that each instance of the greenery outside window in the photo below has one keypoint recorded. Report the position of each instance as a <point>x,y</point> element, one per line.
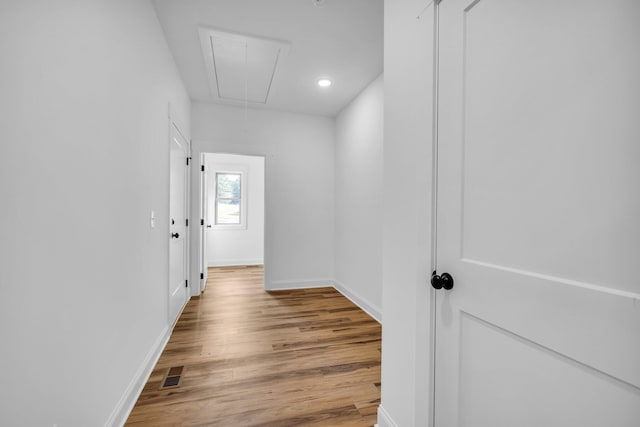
<point>230,211</point>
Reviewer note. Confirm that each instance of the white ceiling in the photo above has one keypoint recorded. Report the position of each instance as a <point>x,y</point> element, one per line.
<point>339,39</point>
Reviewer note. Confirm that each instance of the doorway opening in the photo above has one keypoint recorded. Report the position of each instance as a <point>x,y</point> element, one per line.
<point>233,212</point>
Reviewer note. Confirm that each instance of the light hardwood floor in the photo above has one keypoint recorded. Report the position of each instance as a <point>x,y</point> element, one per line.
<point>254,358</point>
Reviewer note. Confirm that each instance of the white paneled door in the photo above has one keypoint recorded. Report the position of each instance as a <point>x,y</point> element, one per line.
<point>538,214</point>
<point>204,223</point>
<point>178,290</point>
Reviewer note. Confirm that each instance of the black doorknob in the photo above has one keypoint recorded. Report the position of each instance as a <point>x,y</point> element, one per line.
<point>175,235</point>
<point>436,281</point>
<point>447,281</point>
<point>442,281</point>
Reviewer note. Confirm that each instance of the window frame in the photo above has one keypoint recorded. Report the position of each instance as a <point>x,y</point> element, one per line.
<point>242,200</point>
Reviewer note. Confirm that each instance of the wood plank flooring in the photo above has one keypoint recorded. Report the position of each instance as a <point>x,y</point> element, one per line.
<point>254,358</point>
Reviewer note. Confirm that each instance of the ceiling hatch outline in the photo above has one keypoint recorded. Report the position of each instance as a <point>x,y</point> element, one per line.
<point>240,67</point>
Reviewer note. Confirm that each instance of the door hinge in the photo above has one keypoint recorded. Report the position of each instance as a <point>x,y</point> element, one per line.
<point>202,222</point>
<point>186,283</point>
<point>188,161</point>
<point>186,221</point>
<point>201,276</point>
<point>202,168</point>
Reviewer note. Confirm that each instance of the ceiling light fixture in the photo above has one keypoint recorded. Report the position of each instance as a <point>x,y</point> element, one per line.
<point>324,82</point>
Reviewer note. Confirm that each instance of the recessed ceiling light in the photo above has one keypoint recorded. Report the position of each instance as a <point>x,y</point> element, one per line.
<point>324,82</point>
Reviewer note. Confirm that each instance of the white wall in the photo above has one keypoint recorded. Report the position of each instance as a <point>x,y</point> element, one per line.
<point>83,160</point>
<point>299,165</point>
<point>237,246</point>
<point>406,295</point>
<point>358,192</point>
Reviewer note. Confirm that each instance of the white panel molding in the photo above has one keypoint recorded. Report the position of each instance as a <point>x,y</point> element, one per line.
<point>363,303</point>
<point>235,262</point>
<point>569,282</point>
<point>130,396</point>
<point>283,285</point>
<point>384,419</point>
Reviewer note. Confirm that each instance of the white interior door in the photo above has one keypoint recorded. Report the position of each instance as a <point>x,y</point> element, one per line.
<point>538,214</point>
<point>204,224</point>
<point>178,289</point>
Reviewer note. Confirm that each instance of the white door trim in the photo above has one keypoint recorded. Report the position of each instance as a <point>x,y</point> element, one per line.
<point>204,218</point>
<point>434,220</point>
<point>266,233</point>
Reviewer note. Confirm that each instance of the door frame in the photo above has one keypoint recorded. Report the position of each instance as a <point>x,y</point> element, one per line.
<point>434,216</point>
<point>204,200</point>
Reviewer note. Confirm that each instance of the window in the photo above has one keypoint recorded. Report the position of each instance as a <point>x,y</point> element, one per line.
<point>229,207</point>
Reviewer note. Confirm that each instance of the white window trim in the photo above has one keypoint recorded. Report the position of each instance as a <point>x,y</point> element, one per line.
<point>230,169</point>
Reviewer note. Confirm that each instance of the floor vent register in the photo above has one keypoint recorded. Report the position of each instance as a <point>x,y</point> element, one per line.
<point>173,377</point>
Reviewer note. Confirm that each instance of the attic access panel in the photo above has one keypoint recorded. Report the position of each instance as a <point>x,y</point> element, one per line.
<point>241,67</point>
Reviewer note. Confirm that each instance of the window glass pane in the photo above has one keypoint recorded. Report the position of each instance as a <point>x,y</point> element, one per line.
<point>228,185</point>
<point>227,211</point>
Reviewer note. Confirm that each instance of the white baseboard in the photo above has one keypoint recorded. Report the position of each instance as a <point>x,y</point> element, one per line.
<point>365,305</point>
<point>384,419</point>
<point>283,285</point>
<point>130,396</point>
<point>234,262</point>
